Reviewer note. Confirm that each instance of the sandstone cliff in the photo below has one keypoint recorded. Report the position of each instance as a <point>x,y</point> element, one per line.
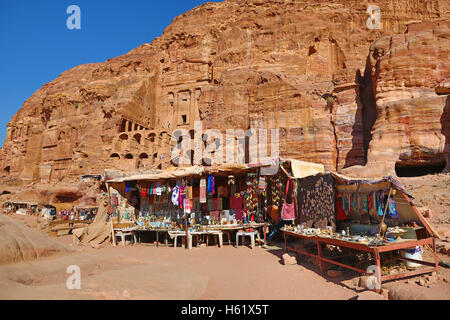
<point>341,94</point>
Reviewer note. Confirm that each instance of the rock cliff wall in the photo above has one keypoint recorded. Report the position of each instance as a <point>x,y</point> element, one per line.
<point>311,69</point>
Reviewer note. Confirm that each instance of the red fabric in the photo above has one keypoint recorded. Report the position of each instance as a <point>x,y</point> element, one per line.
<point>341,215</point>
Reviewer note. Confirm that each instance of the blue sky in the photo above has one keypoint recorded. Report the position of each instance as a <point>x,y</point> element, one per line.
<point>36,45</point>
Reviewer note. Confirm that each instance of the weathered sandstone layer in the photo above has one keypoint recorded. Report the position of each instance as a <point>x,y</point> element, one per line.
<point>311,69</point>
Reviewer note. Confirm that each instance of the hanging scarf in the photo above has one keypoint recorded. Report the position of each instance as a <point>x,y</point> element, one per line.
<point>202,191</point>
<point>392,209</point>
<point>182,195</point>
<point>175,195</point>
<point>262,183</point>
<point>150,190</point>
<point>211,185</point>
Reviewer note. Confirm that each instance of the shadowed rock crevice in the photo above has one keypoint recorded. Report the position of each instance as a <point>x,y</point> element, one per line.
<point>369,107</point>
<point>445,122</point>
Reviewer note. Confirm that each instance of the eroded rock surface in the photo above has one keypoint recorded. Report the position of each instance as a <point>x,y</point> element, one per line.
<point>308,68</point>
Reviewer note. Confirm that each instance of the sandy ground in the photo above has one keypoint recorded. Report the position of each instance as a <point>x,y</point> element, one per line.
<point>148,272</point>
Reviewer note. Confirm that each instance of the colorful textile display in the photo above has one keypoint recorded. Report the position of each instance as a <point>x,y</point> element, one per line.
<point>189,192</point>
<point>211,185</point>
<point>316,201</point>
<point>175,196</point>
<point>182,195</point>
<point>202,191</point>
<point>210,205</point>
<point>340,204</point>
<point>262,184</point>
<point>236,204</point>
<point>275,185</point>
<point>114,200</point>
<point>251,196</point>
<point>150,189</point>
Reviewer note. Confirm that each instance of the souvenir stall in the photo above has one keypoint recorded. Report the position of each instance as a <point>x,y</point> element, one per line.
<point>201,200</point>
<point>375,217</point>
<point>282,195</point>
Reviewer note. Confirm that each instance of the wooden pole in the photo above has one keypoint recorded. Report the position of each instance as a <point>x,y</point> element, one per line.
<point>187,231</point>
<point>384,214</point>
<point>112,233</point>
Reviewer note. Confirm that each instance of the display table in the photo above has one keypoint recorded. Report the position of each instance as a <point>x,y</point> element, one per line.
<point>227,229</point>
<point>375,251</point>
<point>210,229</point>
<point>158,231</point>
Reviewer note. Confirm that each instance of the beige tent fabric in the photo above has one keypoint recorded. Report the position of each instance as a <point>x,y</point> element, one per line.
<point>302,169</point>
<point>98,231</point>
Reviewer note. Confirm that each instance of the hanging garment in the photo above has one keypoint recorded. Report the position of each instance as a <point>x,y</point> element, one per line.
<point>392,209</point>
<point>150,189</point>
<point>262,183</point>
<point>182,195</point>
<point>195,192</point>
<point>189,192</point>
<point>288,211</point>
<point>211,185</point>
<point>210,205</point>
<point>380,209</point>
<point>158,189</point>
<point>175,196</point>
<point>220,191</point>
<point>225,193</point>
<point>240,214</point>
<point>236,203</point>
<point>202,191</point>
<point>114,200</point>
<point>219,204</point>
<point>144,190</point>
<point>341,215</point>
<point>127,186</point>
<point>316,200</point>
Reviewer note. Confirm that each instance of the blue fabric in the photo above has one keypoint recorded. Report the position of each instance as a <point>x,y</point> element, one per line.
<point>392,209</point>
<point>210,188</point>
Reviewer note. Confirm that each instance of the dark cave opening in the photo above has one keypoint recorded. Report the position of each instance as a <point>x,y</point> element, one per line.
<point>419,170</point>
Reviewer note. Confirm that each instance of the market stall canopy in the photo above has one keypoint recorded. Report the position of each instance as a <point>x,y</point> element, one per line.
<point>403,199</point>
<point>302,169</point>
<point>366,184</point>
<point>168,174</point>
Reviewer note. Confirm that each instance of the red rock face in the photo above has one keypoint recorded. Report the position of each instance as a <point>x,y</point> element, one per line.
<point>410,74</point>
<point>305,68</point>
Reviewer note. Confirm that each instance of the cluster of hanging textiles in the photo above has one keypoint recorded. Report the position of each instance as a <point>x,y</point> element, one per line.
<point>237,200</point>
<point>349,203</point>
